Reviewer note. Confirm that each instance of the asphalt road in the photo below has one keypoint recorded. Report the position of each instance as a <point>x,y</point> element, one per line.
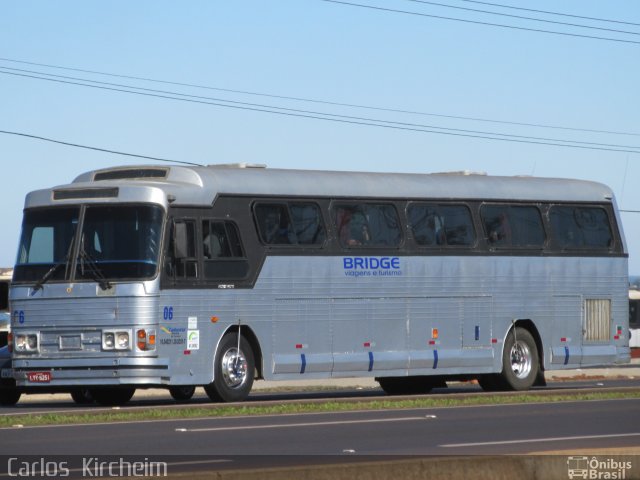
<point>48,403</point>
<point>243,442</point>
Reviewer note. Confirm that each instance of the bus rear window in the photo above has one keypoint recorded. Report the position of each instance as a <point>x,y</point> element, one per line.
<point>580,227</point>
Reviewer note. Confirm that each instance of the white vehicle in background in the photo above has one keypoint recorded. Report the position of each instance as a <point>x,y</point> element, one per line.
<point>634,315</point>
<point>5,313</point>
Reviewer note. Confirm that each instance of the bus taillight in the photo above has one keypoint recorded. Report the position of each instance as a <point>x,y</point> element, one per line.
<point>146,340</point>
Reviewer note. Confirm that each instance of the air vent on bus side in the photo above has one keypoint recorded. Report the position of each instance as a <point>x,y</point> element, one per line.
<point>597,313</point>
<point>131,174</point>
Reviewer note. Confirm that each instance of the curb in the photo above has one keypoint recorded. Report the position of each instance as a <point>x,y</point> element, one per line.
<point>534,467</point>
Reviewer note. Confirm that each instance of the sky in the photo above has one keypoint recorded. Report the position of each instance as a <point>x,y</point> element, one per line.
<point>222,68</point>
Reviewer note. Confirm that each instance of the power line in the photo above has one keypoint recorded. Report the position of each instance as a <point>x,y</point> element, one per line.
<point>550,13</point>
<point>310,112</point>
<point>353,120</point>
<point>520,17</point>
<point>349,117</point>
<point>76,145</point>
<point>323,102</point>
<point>476,22</point>
<point>69,144</point>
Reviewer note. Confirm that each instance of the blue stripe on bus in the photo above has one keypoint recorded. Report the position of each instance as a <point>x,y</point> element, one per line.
<point>303,359</point>
<point>566,355</point>
<point>477,332</point>
<point>370,361</point>
<point>435,359</point>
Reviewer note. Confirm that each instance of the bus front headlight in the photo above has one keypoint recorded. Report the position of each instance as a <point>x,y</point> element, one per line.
<point>123,341</point>
<point>108,340</point>
<point>116,340</point>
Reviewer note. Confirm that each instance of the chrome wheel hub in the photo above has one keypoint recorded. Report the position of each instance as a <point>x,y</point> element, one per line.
<point>520,359</point>
<point>234,368</point>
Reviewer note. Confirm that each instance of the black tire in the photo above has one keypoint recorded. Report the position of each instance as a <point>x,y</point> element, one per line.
<point>9,396</point>
<point>492,382</point>
<point>520,361</point>
<point>406,385</point>
<point>232,376</point>
<point>182,393</point>
<point>111,396</point>
<point>82,396</point>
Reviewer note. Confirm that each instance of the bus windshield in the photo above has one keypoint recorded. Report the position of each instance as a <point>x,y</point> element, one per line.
<point>115,243</point>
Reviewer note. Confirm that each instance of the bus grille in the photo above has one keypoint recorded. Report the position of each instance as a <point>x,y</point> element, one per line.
<point>597,319</point>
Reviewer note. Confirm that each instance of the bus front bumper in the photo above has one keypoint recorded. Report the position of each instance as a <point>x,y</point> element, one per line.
<point>87,372</point>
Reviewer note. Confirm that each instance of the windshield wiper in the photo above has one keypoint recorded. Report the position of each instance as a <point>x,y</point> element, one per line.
<point>45,278</point>
<point>38,285</point>
<point>94,269</point>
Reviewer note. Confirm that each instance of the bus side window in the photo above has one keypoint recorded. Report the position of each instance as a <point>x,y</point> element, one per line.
<point>372,225</point>
<point>513,226</point>
<point>274,224</point>
<point>224,257</point>
<point>580,227</point>
<point>307,220</point>
<point>426,225</point>
<point>214,242</point>
<point>352,226</point>
<point>440,225</point>
<point>496,224</point>
<point>181,256</point>
<point>384,225</point>
<point>290,223</point>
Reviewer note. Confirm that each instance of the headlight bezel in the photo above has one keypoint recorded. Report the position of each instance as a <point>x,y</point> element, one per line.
<point>26,342</point>
<point>116,340</point>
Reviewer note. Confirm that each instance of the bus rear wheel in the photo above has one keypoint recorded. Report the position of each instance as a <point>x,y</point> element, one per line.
<point>233,370</point>
<point>520,364</point>
<point>112,396</point>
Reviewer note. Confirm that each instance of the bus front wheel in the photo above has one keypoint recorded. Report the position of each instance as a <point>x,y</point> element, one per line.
<point>82,396</point>
<point>9,396</point>
<point>112,396</point>
<point>233,370</point>
<point>520,363</point>
<point>182,393</point>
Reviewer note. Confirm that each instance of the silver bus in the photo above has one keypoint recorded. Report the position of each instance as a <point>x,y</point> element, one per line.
<point>178,277</point>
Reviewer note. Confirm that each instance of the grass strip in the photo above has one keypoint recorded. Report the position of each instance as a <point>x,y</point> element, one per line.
<point>221,410</point>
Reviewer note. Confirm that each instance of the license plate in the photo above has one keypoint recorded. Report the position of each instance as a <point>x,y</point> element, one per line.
<point>39,377</point>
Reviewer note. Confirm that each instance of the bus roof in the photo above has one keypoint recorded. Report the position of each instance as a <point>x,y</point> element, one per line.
<point>201,185</point>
